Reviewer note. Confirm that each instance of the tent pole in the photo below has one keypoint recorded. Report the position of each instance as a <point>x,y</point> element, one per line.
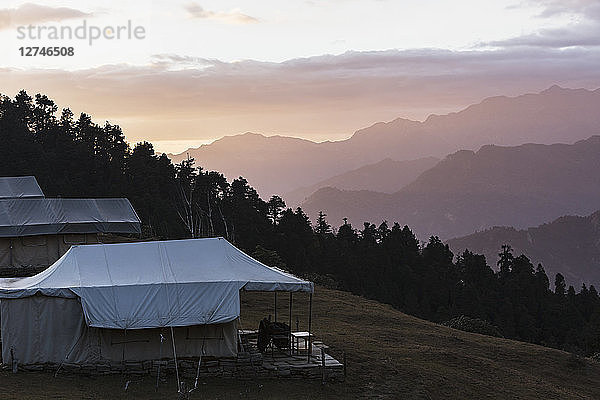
<point>290,325</point>
<point>275,306</point>
<point>162,338</point>
<point>309,325</point>
<point>124,344</point>
<point>199,362</point>
<point>175,356</point>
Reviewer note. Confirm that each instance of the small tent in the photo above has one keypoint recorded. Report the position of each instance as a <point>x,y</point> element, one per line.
<point>111,301</point>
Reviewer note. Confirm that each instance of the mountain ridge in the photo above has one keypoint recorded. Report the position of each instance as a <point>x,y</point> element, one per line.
<point>281,164</point>
<point>550,244</point>
<point>386,176</point>
<point>467,191</point>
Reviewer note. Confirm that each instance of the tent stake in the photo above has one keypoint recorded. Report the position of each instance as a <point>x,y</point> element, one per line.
<point>309,325</point>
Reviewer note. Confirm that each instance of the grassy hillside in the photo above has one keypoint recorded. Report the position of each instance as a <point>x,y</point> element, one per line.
<point>390,355</point>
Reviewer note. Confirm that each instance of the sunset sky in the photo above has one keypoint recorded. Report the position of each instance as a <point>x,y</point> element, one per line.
<point>313,69</point>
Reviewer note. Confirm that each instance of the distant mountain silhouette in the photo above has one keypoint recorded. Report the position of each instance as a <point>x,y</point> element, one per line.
<point>569,245</point>
<point>386,176</point>
<point>468,191</point>
<point>273,165</point>
<point>277,165</point>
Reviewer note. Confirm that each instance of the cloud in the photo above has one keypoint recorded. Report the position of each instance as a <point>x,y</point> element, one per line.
<point>190,98</point>
<point>233,17</point>
<point>589,9</point>
<point>587,35</point>
<point>582,31</point>
<point>30,13</point>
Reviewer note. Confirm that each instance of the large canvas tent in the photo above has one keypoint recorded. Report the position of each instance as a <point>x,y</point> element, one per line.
<point>110,301</point>
<point>17,187</point>
<point>35,232</point>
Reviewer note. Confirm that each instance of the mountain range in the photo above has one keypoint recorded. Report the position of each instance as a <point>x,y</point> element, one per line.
<point>517,186</point>
<point>279,165</point>
<point>387,176</point>
<point>569,245</point>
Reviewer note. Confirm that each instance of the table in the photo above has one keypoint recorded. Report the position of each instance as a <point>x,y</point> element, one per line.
<point>296,336</point>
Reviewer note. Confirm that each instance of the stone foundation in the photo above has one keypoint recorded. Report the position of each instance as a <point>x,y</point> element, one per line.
<point>247,365</point>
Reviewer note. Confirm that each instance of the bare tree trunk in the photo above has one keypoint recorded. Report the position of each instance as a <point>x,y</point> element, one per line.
<point>212,228</point>
<point>224,222</point>
<point>186,211</point>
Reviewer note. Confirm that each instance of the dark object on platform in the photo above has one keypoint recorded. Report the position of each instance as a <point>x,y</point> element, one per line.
<point>275,333</point>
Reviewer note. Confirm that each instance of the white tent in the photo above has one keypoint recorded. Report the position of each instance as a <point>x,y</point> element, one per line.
<point>15,187</point>
<point>42,216</point>
<point>132,286</point>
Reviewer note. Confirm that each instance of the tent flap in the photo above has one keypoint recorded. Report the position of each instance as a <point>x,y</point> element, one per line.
<point>149,306</point>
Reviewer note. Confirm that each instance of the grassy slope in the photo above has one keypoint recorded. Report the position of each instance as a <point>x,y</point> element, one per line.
<point>390,355</point>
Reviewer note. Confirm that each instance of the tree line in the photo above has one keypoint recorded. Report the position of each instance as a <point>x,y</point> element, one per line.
<point>75,157</point>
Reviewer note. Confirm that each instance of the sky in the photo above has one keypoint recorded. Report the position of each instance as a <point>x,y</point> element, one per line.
<point>184,73</point>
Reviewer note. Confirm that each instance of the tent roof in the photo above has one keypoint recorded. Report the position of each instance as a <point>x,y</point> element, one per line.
<point>13,187</point>
<point>153,284</point>
<point>41,216</point>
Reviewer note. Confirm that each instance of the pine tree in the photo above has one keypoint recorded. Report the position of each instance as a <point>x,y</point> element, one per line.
<point>559,284</point>
<point>505,261</point>
<point>322,227</point>
<point>275,207</point>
